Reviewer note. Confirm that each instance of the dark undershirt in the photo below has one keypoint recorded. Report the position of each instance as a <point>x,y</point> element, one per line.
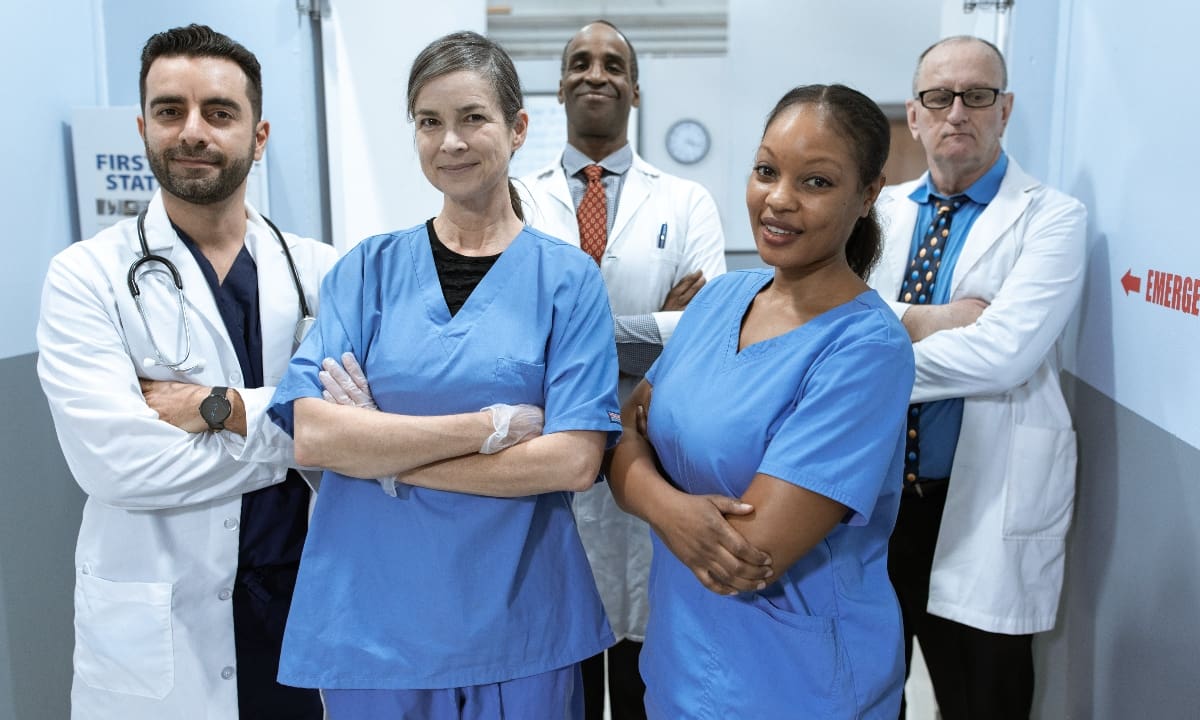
<point>458,274</point>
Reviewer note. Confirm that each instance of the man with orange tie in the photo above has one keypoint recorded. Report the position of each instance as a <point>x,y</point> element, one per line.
<point>657,238</point>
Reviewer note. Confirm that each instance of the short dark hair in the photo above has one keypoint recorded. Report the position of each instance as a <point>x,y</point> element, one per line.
<point>963,39</point>
<point>468,50</point>
<point>202,41</point>
<point>866,130</point>
<point>633,67</point>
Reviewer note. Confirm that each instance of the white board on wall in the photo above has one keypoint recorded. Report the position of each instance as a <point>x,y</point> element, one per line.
<point>548,134</point>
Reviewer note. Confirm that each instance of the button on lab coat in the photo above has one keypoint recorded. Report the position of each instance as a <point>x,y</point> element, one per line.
<point>158,544</point>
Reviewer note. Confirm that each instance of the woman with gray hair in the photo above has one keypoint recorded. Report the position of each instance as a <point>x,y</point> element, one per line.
<point>463,589</point>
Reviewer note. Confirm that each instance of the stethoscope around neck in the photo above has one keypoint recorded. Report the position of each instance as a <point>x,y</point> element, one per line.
<point>182,364</point>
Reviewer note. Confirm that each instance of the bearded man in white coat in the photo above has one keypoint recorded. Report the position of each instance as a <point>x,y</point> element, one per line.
<point>984,266</point>
<point>158,373</point>
<point>657,238</point>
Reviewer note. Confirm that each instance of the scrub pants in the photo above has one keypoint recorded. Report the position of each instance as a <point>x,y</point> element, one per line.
<point>976,674</point>
<point>554,695</point>
<point>261,599</point>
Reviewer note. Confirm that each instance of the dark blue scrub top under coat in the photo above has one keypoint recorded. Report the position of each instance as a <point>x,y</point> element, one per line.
<point>274,518</point>
<point>274,523</point>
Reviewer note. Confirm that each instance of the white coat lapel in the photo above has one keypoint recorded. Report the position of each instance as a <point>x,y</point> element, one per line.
<point>634,192</point>
<point>278,304</point>
<point>1010,202</point>
<point>553,209</point>
<point>899,215</point>
<point>556,183</point>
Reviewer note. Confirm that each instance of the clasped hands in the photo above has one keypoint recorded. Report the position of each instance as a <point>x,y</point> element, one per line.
<point>345,383</point>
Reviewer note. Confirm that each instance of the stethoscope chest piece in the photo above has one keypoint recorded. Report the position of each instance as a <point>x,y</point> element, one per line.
<point>302,329</point>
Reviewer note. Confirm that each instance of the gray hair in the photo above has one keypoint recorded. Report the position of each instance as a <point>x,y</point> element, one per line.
<point>466,50</point>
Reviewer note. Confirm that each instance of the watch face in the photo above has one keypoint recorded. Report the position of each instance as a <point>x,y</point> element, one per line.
<point>687,142</point>
<point>215,410</point>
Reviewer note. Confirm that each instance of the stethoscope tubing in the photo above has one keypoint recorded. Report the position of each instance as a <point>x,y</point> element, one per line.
<point>306,316</point>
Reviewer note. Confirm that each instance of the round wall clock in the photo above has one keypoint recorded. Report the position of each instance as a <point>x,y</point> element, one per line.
<point>687,141</point>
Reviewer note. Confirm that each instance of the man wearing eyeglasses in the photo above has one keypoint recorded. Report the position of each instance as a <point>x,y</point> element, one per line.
<point>984,266</point>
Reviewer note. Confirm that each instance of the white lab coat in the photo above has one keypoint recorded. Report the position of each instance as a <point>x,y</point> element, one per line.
<point>998,565</point>
<point>638,274</point>
<point>158,544</point>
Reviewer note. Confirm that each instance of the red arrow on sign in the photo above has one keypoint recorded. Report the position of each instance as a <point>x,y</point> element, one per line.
<point>1131,282</point>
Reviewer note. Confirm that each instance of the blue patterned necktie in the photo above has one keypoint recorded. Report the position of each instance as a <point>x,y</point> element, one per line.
<point>917,289</point>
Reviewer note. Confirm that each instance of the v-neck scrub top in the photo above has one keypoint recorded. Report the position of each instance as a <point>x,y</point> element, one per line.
<point>822,407</point>
<point>435,589</point>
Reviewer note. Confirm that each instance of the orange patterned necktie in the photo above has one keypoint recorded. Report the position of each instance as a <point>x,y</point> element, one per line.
<point>593,215</point>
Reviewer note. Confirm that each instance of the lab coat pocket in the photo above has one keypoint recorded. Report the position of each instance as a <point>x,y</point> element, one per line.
<point>663,271</point>
<point>518,381</point>
<point>1039,488</point>
<point>123,636</point>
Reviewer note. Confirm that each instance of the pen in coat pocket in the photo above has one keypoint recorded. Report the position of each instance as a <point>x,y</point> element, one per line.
<point>662,236</point>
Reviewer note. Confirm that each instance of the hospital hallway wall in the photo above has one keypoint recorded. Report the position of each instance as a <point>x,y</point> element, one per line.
<point>1127,644</point>
<point>39,519</point>
<point>1098,113</point>
<point>48,60</point>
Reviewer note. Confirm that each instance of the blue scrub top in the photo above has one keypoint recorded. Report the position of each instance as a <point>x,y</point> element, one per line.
<point>437,589</point>
<point>822,407</point>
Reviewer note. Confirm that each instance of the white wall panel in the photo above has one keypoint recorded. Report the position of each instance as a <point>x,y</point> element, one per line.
<point>375,180</point>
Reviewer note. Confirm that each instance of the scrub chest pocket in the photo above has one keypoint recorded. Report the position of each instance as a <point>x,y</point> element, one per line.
<point>518,381</point>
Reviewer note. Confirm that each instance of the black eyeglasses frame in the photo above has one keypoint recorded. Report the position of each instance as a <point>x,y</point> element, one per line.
<point>996,93</point>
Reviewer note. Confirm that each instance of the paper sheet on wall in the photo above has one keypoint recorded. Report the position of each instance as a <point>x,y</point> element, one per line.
<point>548,134</point>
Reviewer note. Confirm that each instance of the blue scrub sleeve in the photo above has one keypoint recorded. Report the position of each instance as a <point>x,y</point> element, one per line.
<point>581,364</point>
<point>843,434</point>
<point>338,321</point>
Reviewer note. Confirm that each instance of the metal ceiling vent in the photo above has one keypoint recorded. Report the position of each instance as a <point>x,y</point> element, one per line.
<point>540,28</point>
<point>997,5</point>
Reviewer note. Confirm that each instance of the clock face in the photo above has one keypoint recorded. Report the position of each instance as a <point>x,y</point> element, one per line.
<point>687,142</point>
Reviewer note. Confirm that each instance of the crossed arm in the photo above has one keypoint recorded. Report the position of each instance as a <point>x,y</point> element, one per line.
<point>131,443</point>
<point>1003,346</point>
<point>732,545</point>
<point>639,337</point>
<point>921,321</point>
<point>347,434</point>
<point>179,404</point>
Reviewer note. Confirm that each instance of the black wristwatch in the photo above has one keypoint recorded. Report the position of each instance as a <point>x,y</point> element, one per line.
<point>215,409</point>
